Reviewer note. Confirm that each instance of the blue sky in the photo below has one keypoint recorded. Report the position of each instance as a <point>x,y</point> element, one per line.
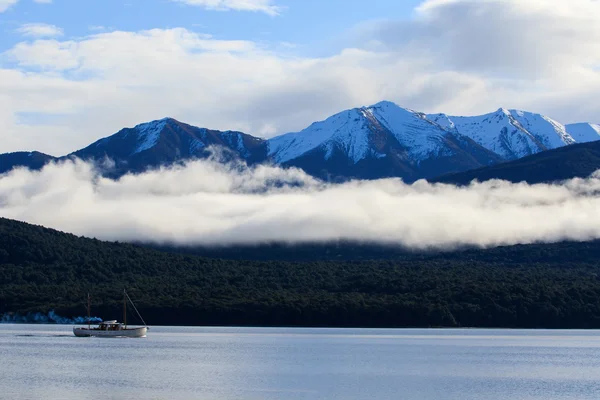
<point>73,71</point>
<point>305,23</point>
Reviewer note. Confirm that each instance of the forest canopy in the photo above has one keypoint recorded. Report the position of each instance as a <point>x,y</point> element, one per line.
<point>534,286</point>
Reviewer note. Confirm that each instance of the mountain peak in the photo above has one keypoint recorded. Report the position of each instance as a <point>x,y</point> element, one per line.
<point>443,120</point>
<point>386,104</point>
<point>155,122</point>
<point>149,133</point>
<point>503,110</point>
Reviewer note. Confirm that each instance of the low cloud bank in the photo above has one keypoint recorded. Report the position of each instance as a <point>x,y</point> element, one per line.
<point>208,203</point>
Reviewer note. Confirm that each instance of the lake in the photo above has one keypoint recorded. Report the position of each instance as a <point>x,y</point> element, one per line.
<point>48,362</point>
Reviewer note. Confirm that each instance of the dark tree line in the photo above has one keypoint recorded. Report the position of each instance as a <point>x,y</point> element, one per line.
<point>549,286</point>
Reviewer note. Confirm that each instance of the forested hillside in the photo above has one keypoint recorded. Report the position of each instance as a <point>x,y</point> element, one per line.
<point>553,286</point>
<point>563,252</point>
<point>576,161</point>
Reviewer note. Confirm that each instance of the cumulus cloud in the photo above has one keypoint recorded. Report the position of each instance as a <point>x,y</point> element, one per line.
<point>205,202</point>
<point>459,57</point>
<point>5,4</point>
<point>265,6</point>
<point>507,38</point>
<point>40,30</point>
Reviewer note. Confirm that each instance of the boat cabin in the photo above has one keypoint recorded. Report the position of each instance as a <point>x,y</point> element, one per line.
<point>110,326</point>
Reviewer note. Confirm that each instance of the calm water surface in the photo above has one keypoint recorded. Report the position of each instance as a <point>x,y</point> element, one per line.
<point>47,362</point>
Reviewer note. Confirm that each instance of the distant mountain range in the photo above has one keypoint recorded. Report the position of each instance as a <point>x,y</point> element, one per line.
<point>383,140</point>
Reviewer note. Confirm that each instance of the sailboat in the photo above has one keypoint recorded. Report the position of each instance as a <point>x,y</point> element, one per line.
<point>113,328</point>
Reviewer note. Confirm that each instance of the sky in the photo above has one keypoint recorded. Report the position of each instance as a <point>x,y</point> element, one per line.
<point>74,71</point>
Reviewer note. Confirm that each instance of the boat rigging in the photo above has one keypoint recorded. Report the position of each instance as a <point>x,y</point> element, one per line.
<point>113,328</point>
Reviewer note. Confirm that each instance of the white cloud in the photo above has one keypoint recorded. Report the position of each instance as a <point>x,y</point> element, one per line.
<point>207,203</point>
<point>539,56</point>
<point>502,38</point>
<point>265,6</point>
<point>5,4</point>
<point>40,30</point>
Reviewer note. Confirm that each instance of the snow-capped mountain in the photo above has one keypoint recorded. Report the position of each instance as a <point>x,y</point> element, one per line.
<point>378,141</point>
<point>382,140</point>
<point>165,141</point>
<point>385,139</point>
<point>584,132</point>
<point>512,134</point>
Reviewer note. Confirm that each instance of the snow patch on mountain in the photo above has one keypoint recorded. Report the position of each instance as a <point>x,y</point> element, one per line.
<point>196,145</point>
<point>548,131</point>
<point>148,134</point>
<point>236,141</point>
<point>442,120</point>
<point>584,132</point>
<point>499,132</point>
<point>346,131</point>
<point>232,139</point>
<point>412,129</point>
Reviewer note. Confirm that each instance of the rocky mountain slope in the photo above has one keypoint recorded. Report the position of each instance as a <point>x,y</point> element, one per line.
<point>166,141</point>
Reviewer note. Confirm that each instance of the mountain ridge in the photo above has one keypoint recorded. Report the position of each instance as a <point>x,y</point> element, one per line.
<point>378,141</point>
<point>575,161</point>
<point>167,141</point>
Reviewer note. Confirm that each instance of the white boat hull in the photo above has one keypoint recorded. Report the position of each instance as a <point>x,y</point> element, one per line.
<point>129,332</point>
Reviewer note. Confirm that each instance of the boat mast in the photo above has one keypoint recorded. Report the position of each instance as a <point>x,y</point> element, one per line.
<point>135,308</point>
<point>124,308</point>
<point>88,307</point>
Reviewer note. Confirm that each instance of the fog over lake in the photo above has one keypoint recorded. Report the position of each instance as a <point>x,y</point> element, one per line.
<point>206,202</point>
